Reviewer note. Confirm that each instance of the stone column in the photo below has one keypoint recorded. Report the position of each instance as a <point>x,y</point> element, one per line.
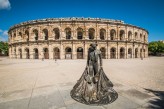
<point>85,51</point>
<point>126,34</point>
<point>108,35</point>
<point>50,34</point>
<point>97,33</point>
<point>133,34</point>
<point>74,52</point>
<point>63,35</point>
<point>14,54</point>
<point>40,33</point>
<point>108,51</point>
<point>117,33</point>
<point>31,51</point>
<point>50,52</point>
<point>23,52</point>
<point>139,52</point>
<point>132,53</point>
<point>17,53</point>
<point>84,32</point>
<point>40,52</point>
<point>62,52</point>
<point>87,35</point>
<point>30,34</point>
<point>118,53</point>
<point>74,34</point>
<point>126,52</point>
<point>41,56</point>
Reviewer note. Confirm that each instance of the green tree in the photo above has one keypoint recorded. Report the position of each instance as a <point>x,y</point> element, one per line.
<point>160,47</point>
<point>156,47</point>
<point>4,47</point>
<point>153,47</point>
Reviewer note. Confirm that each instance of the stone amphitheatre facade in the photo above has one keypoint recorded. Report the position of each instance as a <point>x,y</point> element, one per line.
<point>70,38</point>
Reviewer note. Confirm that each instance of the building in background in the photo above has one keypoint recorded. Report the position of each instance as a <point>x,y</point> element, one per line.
<point>70,38</point>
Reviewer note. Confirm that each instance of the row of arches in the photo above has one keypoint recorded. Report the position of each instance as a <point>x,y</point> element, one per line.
<point>80,34</point>
<point>80,53</point>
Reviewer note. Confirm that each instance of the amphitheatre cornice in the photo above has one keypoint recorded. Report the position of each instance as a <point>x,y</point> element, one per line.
<point>74,19</point>
<point>82,41</point>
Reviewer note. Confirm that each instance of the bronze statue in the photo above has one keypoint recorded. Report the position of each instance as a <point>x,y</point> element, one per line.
<point>94,87</point>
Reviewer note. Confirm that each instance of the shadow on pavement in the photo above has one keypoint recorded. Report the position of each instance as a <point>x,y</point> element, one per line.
<point>156,103</point>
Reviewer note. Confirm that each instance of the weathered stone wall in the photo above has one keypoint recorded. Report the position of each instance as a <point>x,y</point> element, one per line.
<point>115,39</point>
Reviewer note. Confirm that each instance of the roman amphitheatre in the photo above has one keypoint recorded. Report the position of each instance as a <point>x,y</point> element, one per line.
<point>70,38</point>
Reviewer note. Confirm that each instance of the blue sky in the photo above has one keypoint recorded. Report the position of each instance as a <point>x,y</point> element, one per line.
<point>148,14</point>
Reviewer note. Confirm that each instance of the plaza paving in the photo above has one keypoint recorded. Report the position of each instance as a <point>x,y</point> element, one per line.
<point>37,84</point>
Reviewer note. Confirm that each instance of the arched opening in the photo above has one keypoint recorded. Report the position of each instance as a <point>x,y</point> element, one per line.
<point>15,54</point>
<point>46,53</point>
<point>136,53</point>
<point>141,53</point>
<point>27,53</point>
<point>112,34</point>
<point>144,38</point>
<point>129,35</point>
<point>68,53</point>
<point>122,53</point>
<point>136,36</point>
<point>56,33</point>
<point>14,36</point>
<point>103,52</point>
<point>141,37</point>
<point>91,33</point>
<point>122,35</point>
<point>129,53</point>
<point>56,53</point>
<point>20,53</point>
<point>79,33</point>
<point>80,53</point>
<point>68,33</point>
<point>20,34</point>
<point>45,34</point>
<point>102,34</point>
<point>113,53</point>
<point>144,53</point>
<point>35,32</point>
<point>36,53</point>
<point>27,35</point>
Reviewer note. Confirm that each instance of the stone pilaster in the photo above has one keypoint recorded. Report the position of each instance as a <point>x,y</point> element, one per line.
<point>85,51</point>
<point>31,51</point>
<point>50,34</point>
<point>62,52</point>
<point>74,52</point>
<point>50,52</point>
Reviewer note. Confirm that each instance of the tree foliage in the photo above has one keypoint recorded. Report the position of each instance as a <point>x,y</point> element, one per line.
<point>3,48</point>
<point>156,47</point>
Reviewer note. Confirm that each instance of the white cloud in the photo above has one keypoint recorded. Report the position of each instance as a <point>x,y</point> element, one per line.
<point>3,35</point>
<point>5,4</point>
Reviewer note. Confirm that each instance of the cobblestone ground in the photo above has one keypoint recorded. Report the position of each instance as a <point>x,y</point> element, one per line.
<point>37,84</point>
